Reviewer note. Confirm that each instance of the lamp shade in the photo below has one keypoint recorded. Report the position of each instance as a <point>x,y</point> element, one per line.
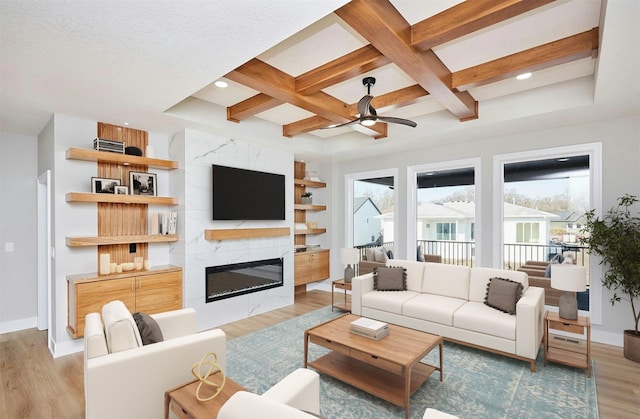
<point>568,277</point>
<point>349,256</point>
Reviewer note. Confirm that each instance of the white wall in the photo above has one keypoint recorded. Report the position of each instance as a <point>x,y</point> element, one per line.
<point>621,174</point>
<point>196,152</point>
<point>18,228</point>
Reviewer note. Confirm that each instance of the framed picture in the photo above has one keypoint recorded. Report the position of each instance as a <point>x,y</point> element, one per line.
<point>122,190</point>
<point>104,185</point>
<point>142,183</point>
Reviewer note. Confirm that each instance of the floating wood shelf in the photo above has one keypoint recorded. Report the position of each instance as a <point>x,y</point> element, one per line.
<point>309,183</point>
<point>310,231</point>
<point>305,207</point>
<point>245,233</point>
<point>124,159</point>
<point>120,199</point>
<point>106,240</point>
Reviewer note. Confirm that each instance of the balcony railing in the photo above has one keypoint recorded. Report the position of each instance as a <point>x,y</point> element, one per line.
<point>515,254</point>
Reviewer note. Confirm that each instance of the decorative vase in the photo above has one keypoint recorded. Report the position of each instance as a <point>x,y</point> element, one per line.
<point>306,200</point>
<point>632,345</point>
<point>348,274</point>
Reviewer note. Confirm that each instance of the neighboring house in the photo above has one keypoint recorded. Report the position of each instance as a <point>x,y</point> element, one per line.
<point>367,225</point>
<point>455,221</point>
<point>567,228</point>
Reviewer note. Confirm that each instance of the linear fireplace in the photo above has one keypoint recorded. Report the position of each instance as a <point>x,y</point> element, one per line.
<point>228,281</point>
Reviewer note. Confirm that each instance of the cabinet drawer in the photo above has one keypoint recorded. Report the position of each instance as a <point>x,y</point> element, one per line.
<point>571,328</point>
<point>376,362</point>
<point>329,344</point>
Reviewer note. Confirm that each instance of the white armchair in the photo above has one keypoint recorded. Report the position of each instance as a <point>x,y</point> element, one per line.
<point>132,383</point>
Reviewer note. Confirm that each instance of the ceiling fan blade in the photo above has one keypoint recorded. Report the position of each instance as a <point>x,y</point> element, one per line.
<point>393,120</point>
<point>364,106</point>
<point>355,121</point>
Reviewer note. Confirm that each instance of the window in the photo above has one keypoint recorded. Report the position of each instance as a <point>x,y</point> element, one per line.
<point>528,233</point>
<point>446,231</point>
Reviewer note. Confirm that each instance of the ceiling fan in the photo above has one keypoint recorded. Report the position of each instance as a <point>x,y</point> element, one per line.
<point>368,114</point>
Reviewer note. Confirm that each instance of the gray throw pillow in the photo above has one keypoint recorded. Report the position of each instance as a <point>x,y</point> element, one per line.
<point>149,330</point>
<point>503,294</point>
<point>389,278</point>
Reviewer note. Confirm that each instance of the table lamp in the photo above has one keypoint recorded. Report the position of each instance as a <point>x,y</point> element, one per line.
<point>568,278</point>
<point>349,256</point>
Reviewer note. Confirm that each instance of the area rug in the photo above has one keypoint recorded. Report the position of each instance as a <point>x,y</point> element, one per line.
<point>476,384</point>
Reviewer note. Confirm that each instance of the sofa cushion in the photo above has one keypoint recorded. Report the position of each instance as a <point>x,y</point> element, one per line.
<point>503,294</point>
<point>387,300</point>
<point>415,272</point>
<point>479,279</point>
<point>119,327</point>
<point>433,308</point>
<point>149,330</point>
<point>390,278</point>
<point>480,318</point>
<point>447,280</point>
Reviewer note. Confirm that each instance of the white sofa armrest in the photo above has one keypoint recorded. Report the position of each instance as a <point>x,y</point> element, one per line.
<point>132,383</point>
<point>95,343</point>
<point>530,322</point>
<point>243,405</point>
<point>360,285</point>
<point>176,323</point>
<point>300,389</point>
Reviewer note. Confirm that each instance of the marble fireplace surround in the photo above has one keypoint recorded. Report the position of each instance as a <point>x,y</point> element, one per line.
<point>204,242</point>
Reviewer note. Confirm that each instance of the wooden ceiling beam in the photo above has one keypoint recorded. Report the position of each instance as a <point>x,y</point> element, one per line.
<point>279,85</point>
<point>465,18</point>
<point>251,107</point>
<point>562,51</point>
<point>344,68</point>
<point>385,28</point>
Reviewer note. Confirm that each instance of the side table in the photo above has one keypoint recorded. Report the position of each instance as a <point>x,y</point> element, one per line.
<point>567,354</point>
<point>346,286</point>
<point>182,400</point>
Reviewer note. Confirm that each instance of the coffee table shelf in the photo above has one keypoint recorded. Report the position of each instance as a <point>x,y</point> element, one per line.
<point>374,366</point>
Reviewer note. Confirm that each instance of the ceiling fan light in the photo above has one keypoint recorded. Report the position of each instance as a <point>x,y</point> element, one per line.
<point>368,122</point>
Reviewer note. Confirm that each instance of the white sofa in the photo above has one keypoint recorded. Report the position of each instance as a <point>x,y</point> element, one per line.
<point>448,300</point>
<point>131,382</point>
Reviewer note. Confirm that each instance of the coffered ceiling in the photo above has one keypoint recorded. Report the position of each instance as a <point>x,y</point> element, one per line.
<point>427,57</point>
<point>295,67</point>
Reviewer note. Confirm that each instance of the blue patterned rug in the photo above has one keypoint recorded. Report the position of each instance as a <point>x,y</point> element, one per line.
<point>476,384</point>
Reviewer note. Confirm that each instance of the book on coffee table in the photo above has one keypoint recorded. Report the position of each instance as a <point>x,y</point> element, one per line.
<point>370,328</point>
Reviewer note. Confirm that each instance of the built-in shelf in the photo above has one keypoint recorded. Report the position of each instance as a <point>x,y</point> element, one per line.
<point>106,240</point>
<point>245,233</point>
<point>124,159</point>
<point>120,199</point>
<point>305,207</point>
<point>310,183</point>
<point>310,231</point>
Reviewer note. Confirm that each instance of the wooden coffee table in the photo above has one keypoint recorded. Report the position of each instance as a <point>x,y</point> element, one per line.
<point>182,400</point>
<point>389,368</point>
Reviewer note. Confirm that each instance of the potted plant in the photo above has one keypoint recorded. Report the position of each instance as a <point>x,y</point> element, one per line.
<point>616,238</point>
<point>306,198</point>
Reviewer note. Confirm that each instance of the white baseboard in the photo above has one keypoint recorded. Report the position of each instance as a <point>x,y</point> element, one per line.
<point>17,325</point>
<point>67,348</point>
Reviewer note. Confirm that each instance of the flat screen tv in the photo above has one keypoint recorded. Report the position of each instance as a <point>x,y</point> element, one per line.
<point>241,194</point>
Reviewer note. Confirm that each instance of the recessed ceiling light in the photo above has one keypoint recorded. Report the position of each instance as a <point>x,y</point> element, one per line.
<point>523,76</point>
<point>563,159</point>
<point>126,123</point>
<point>221,83</point>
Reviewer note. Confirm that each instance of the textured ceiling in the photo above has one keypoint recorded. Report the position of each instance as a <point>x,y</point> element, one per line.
<point>153,63</point>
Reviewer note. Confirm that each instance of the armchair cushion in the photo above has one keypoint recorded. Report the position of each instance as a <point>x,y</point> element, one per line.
<point>244,405</point>
<point>120,328</point>
<point>149,330</point>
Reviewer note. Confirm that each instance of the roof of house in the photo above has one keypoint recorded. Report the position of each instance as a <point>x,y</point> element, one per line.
<point>360,201</point>
<point>465,210</point>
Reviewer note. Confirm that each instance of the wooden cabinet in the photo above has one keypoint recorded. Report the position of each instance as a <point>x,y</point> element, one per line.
<point>156,290</point>
<point>310,266</point>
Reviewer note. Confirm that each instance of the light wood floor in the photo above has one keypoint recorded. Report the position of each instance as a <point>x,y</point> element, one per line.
<point>34,385</point>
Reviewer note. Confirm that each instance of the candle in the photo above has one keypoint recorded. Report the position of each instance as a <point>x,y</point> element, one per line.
<point>138,262</point>
<point>147,264</point>
<point>119,269</point>
<point>113,267</point>
<point>105,264</point>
